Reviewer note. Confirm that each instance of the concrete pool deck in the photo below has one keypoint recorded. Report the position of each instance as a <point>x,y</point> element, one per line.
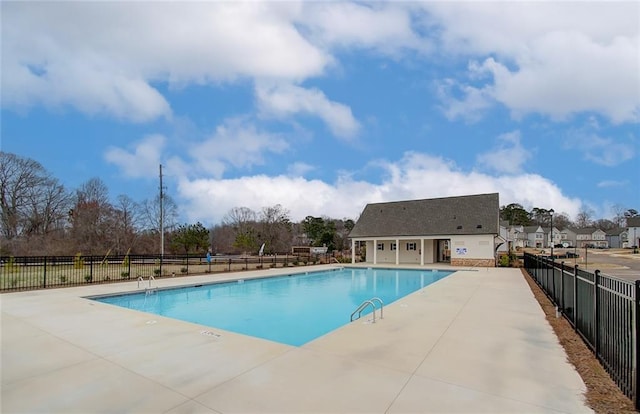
<point>474,342</point>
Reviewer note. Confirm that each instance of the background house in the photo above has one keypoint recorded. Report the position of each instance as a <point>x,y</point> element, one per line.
<point>535,236</point>
<point>458,230</point>
<point>568,236</point>
<point>633,231</point>
<point>617,238</point>
<point>590,237</point>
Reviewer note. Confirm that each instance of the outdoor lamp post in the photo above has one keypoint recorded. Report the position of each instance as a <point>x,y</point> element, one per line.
<point>551,214</point>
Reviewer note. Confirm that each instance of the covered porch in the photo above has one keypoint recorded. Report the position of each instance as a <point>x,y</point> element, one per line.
<point>402,250</point>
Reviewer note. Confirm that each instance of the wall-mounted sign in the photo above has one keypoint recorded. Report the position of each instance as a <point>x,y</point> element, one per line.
<point>461,251</point>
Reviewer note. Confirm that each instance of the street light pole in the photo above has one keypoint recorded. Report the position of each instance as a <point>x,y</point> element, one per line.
<point>551,231</point>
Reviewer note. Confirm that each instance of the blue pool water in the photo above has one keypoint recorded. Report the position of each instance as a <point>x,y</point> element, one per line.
<point>293,309</point>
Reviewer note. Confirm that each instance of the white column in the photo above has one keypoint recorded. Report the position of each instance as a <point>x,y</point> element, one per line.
<point>375,251</point>
<point>353,251</point>
<point>421,251</point>
<point>397,252</point>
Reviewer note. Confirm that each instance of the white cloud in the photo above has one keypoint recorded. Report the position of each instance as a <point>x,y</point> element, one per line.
<point>282,101</point>
<point>142,160</point>
<point>237,143</point>
<point>386,28</point>
<point>473,104</point>
<point>553,58</point>
<point>549,63</point>
<point>600,150</point>
<point>508,156</point>
<point>612,183</point>
<point>415,176</point>
<point>299,169</point>
<point>102,57</point>
<point>607,152</point>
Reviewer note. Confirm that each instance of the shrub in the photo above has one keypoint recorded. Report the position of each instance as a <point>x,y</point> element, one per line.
<point>78,261</point>
<point>184,270</point>
<point>63,279</point>
<point>88,278</point>
<point>156,272</point>
<point>11,265</point>
<point>272,265</point>
<point>504,261</point>
<point>124,275</point>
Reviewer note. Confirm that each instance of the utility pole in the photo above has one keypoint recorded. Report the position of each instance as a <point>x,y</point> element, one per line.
<point>161,216</point>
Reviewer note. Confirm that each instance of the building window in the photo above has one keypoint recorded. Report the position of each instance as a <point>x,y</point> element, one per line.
<point>380,246</point>
<point>411,246</point>
<point>393,246</point>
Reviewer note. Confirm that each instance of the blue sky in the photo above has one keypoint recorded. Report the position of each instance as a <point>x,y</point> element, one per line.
<point>323,107</point>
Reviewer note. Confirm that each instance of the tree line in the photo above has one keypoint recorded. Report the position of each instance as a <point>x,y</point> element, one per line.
<point>39,216</point>
<point>516,215</point>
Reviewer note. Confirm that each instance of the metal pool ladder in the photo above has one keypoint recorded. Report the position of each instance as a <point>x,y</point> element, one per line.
<point>367,303</point>
<point>141,279</point>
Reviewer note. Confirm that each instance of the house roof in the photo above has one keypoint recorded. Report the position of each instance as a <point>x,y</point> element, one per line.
<point>616,231</point>
<point>586,230</point>
<point>633,221</point>
<point>473,214</point>
<point>532,229</point>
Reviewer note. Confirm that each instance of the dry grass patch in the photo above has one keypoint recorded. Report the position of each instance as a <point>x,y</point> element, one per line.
<point>603,395</point>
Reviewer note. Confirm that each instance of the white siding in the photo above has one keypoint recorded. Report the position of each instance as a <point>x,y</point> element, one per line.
<point>472,247</point>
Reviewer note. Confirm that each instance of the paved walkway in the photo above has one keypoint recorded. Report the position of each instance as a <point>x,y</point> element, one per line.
<point>474,342</point>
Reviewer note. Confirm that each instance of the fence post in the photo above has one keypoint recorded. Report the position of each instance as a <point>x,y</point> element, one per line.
<point>91,266</point>
<point>229,264</point>
<point>596,325</point>
<point>575,297</point>
<point>636,346</point>
<point>44,280</point>
<point>562,287</point>
<point>553,282</point>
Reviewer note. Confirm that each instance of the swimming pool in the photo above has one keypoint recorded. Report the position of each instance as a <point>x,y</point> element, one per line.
<point>291,309</point>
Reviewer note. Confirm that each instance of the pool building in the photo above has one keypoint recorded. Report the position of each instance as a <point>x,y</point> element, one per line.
<point>461,231</point>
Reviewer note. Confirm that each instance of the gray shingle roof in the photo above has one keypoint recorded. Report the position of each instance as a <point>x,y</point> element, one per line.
<point>633,222</point>
<point>473,214</point>
<point>585,230</point>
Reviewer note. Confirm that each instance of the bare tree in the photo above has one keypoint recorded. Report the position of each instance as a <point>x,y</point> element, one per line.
<point>619,217</point>
<point>127,218</point>
<point>33,204</point>
<point>151,220</point>
<point>222,239</point>
<point>150,213</point>
<point>20,178</point>
<point>584,218</point>
<point>561,221</point>
<point>92,218</point>
<point>275,229</point>
<point>243,222</point>
<point>604,224</point>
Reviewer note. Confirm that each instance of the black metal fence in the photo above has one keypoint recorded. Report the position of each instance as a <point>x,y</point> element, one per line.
<point>604,310</point>
<point>39,272</point>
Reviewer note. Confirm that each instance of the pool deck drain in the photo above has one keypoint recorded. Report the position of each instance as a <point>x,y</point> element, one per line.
<point>475,341</point>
